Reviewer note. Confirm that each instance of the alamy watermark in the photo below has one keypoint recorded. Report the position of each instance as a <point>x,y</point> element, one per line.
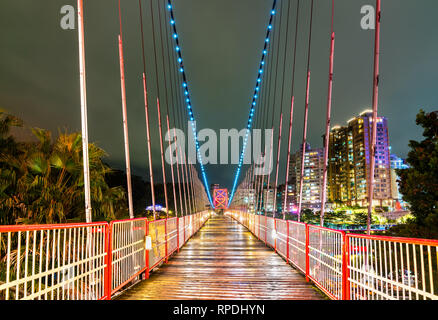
<point>68,19</point>
<point>228,146</point>
<point>367,22</point>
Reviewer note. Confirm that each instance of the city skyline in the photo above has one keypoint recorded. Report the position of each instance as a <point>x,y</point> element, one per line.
<point>39,72</point>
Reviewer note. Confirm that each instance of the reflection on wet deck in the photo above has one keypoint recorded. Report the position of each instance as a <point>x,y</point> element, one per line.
<point>224,261</point>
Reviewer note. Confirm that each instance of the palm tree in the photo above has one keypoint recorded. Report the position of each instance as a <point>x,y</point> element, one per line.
<point>42,182</point>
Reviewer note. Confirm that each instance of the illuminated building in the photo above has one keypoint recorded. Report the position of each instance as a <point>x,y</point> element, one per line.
<point>244,199</point>
<point>349,162</point>
<point>397,164</point>
<point>313,173</point>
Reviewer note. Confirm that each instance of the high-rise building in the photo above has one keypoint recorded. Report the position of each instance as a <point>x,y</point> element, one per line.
<point>397,164</point>
<point>349,162</point>
<point>313,173</point>
<point>269,200</point>
<point>244,199</point>
<point>290,199</point>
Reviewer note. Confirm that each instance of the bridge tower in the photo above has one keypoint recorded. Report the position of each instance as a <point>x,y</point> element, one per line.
<point>220,199</point>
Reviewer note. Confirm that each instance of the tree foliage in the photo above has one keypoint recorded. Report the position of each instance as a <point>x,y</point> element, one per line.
<point>42,182</point>
<point>419,183</point>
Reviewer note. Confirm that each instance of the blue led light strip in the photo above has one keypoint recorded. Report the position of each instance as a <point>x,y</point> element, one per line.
<point>186,91</point>
<point>254,99</point>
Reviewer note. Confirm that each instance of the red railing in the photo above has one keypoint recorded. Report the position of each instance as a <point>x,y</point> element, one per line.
<point>349,266</point>
<point>86,261</point>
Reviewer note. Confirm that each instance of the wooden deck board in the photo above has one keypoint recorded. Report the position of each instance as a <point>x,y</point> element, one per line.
<point>224,261</point>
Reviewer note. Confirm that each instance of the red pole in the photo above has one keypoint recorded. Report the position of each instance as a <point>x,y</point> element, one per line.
<point>125,129</point>
<point>84,120</point>
<point>177,233</point>
<point>147,252</point>
<point>277,165</point>
<point>166,250</point>
<point>288,157</point>
<point>375,109</point>
<point>276,234</point>
<point>291,109</point>
<point>345,270</point>
<point>125,119</point>
<point>163,168</point>
<point>287,241</point>
<point>108,269</point>
<point>148,135</point>
<point>178,175</point>
<point>171,170</point>
<point>328,121</point>
<point>307,254</point>
<point>306,115</point>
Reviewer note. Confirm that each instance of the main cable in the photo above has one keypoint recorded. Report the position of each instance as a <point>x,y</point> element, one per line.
<point>254,100</point>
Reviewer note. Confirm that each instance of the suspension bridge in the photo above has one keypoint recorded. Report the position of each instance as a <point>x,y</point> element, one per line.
<point>240,251</point>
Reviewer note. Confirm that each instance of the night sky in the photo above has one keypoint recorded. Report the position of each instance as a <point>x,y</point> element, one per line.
<point>221,42</point>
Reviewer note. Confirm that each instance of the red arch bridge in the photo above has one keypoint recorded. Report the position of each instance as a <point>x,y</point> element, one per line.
<point>206,255</point>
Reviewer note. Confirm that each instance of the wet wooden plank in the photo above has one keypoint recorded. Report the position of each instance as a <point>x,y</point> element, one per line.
<point>224,261</point>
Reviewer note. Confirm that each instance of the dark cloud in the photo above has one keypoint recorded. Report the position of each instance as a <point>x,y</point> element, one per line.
<point>221,42</point>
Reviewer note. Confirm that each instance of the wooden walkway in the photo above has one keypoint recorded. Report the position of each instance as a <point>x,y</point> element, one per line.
<point>224,261</point>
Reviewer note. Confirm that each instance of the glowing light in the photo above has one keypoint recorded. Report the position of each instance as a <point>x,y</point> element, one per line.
<point>254,103</point>
<point>186,92</point>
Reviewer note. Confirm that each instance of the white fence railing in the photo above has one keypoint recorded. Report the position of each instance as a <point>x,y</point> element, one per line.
<point>350,266</point>
<point>86,261</point>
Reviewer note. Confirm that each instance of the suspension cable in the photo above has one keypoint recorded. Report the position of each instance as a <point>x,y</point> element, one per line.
<point>280,125</point>
<point>297,18</point>
<point>254,101</point>
<point>306,114</point>
<point>271,144</point>
<point>160,131</point>
<point>125,119</point>
<point>328,118</point>
<point>188,101</point>
<point>148,135</point>
<point>167,104</point>
<point>173,98</point>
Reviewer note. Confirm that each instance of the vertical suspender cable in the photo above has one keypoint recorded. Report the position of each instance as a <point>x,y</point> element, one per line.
<point>185,161</point>
<point>167,102</point>
<point>84,120</point>
<point>291,112</point>
<point>254,103</point>
<point>148,134</point>
<point>280,126</point>
<point>328,118</point>
<point>189,105</point>
<point>375,110</point>
<point>306,114</point>
<point>181,152</point>
<point>273,112</point>
<point>175,102</point>
<point>163,168</point>
<point>125,119</point>
<point>264,119</point>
